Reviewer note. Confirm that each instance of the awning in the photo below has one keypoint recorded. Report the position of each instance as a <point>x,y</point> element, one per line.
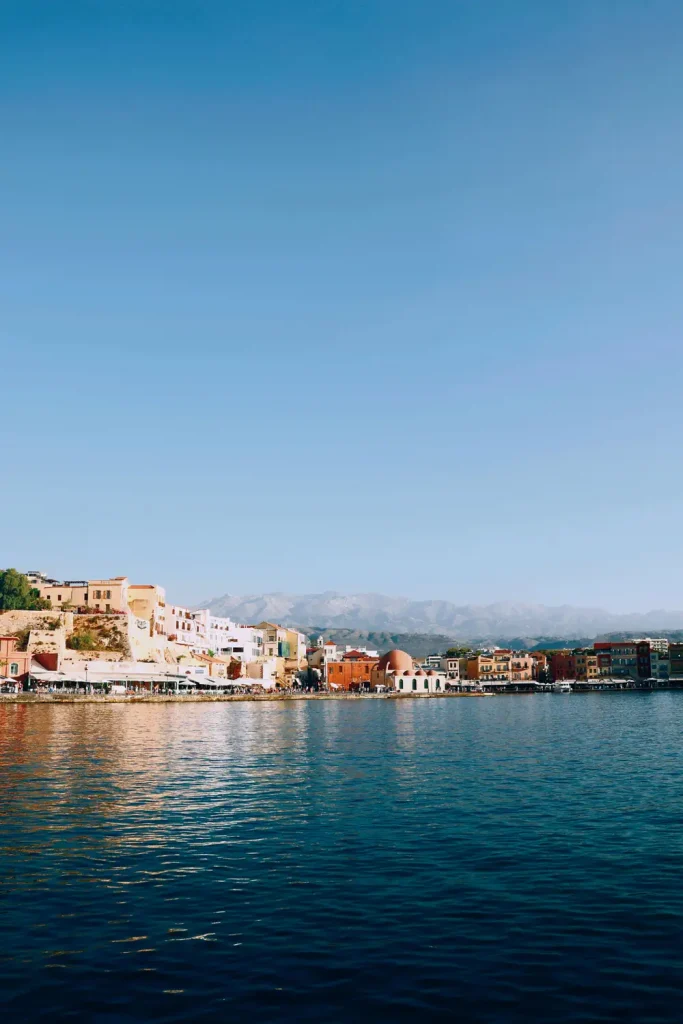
<point>98,679</point>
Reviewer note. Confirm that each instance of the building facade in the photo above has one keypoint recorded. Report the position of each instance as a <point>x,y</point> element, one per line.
<point>103,596</point>
<point>585,663</point>
<point>676,660</point>
<point>14,664</point>
<point>353,672</point>
<point>183,628</point>
<point>623,658</point>
<point>490,668</point>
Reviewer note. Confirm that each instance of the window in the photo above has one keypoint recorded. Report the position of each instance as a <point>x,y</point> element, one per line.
<point>107,608</point>
<point>109,593</point>
<point>426,684</point>
<point>415,684</point>
<point>400,684</point>
<point>14,669</point>
<point>59,597</point>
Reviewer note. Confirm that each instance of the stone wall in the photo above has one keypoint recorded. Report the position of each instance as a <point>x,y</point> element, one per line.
<point>14,622</point>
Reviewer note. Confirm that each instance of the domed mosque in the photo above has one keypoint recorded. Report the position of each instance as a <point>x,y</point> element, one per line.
<point>395,661</point>
<point>395,670</point>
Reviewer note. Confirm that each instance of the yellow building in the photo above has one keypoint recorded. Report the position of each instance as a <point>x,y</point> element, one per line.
<point>108,595</point>
<point>586,665</point>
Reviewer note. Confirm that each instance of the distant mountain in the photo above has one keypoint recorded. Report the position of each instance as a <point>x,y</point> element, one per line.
<point>501,621</point>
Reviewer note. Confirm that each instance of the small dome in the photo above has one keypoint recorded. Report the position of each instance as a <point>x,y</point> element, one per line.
<point>419,672</point>
<point>395,661</point>
<point>430,672</point>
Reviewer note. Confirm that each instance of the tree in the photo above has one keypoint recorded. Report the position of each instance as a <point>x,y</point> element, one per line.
<point>17,594</point>
<point>458,652</point>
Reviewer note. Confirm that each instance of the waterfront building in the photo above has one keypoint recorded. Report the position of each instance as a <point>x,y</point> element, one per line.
<point>653,658</point>
<point>490,668</point>
<point>561,664</point>
<point>420,681</point>
<point>396,670</point>
<point>623,658</point>
<point>266,671</point>
<point>223,636</point>
<point>14,664</point>
<point>604,662</point>
<point>676,660</point>
<point>297,647</point>
<point>352,672</point>
<point>281,642</point>
<point>184,628</point>
<point>451,666</point>
<point>539,664</point>
<point>390,665</point>
<point>521,667</point>
<point>585,665</point>
<point>275,640</point>
<point>320,656</point>
<point>660,665</point>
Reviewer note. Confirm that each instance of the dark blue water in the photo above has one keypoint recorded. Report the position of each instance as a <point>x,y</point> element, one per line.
<point>504,859</point>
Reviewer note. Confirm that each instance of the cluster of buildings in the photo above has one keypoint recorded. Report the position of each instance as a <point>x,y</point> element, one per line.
<point>168,646</point>
<point>646,658</point>
<point>194,644</point>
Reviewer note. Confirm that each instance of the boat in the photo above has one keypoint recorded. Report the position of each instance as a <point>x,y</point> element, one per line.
<point>562,686</point>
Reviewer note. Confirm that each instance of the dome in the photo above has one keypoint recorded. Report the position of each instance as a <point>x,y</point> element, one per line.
<point>419,672</point>
<point>430,672</point>
<point>395,661</point>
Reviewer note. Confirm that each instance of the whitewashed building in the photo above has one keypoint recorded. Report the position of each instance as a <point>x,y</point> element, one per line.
<point>419,681</point>
<point>183,627</point>
<point>223,636</point>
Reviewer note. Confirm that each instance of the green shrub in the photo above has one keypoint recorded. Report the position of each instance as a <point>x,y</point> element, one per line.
<point>82,642</point>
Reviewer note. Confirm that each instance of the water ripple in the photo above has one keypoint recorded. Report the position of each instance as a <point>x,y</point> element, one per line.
<point>501,860</point>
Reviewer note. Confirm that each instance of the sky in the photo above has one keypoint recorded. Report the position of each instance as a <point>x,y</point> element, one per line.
<point>354,295</point>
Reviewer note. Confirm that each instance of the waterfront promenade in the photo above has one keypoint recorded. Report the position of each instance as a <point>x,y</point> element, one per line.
<point>211,698</point>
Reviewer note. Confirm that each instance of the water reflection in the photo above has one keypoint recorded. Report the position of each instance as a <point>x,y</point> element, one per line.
<point>518,858</point>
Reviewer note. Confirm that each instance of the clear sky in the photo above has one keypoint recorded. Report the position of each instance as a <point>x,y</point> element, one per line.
<point>345,294</point>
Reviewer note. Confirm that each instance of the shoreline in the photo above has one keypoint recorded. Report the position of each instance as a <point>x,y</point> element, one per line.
<point>91,698</point>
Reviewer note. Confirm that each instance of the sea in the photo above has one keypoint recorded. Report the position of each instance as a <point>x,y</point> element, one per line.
<point>503,859</point>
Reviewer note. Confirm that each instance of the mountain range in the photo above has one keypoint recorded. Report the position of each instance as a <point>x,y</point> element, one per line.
<point>499,621</point>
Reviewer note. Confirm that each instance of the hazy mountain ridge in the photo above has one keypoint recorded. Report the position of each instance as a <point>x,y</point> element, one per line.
<point>399,615</point>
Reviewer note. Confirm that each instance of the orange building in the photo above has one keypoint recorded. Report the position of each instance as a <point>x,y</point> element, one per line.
<point>493,667</point>
<point>352,672</point>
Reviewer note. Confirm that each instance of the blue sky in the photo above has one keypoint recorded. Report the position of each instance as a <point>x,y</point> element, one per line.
<point>356,295</point>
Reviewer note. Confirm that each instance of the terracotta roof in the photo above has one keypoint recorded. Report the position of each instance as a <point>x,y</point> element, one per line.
<point>397,661</point>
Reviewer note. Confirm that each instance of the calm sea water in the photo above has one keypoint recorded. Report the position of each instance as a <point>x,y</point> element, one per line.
<point>506,859</point>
